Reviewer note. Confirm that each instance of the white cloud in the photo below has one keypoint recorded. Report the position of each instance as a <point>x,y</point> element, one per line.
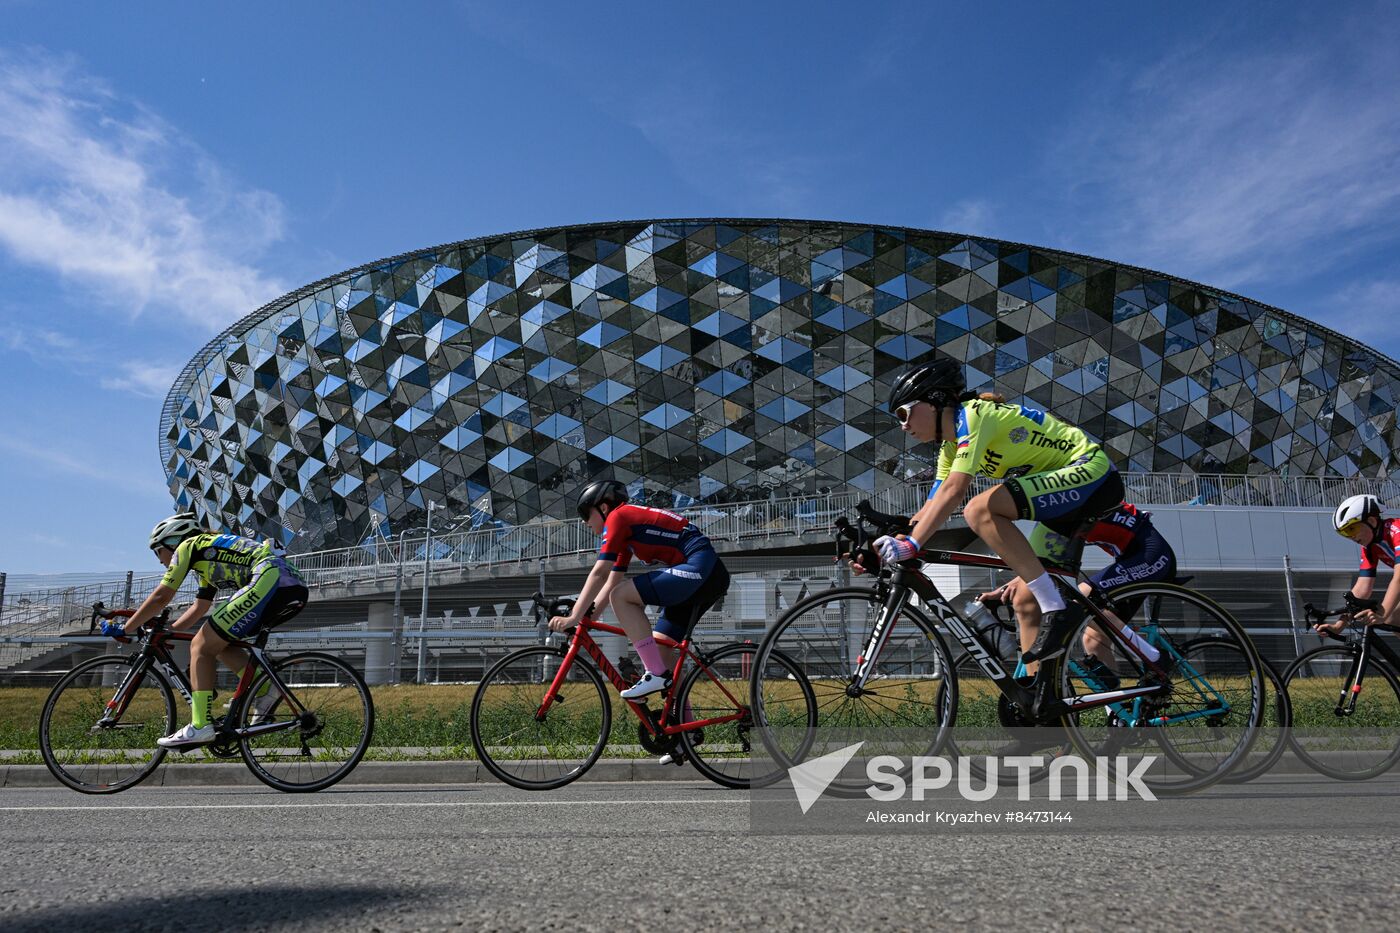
<point>120,205</point>
<point>38,342</point>
<point>1365,310</point>
<point>1239,168</point>
<point>144,379</point>
<point>50,347</point>
<point>93,468</point>
<point>972,216</point>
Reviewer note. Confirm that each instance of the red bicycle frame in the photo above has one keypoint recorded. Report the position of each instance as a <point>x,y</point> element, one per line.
<point>581,639</point>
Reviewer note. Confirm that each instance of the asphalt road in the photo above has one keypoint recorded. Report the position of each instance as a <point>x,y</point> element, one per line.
<point>1286,852</point>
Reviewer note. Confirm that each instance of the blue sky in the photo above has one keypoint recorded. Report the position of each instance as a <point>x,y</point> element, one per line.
<point>149,152</point>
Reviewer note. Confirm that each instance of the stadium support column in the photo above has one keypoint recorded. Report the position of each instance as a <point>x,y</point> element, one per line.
<point>379,642</point>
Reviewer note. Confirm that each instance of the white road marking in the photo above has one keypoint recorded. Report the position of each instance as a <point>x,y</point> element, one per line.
<point>90,808</point>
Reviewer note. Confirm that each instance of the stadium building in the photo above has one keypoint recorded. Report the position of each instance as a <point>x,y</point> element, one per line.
<point>721,361</point>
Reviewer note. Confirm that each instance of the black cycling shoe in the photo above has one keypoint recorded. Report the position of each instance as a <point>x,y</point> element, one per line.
<point>1100,676</point>
<point>1055,630</point>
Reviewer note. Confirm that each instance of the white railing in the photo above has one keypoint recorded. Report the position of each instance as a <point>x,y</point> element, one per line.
<point>730,525</point>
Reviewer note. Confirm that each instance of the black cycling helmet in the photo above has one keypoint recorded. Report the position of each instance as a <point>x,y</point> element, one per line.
<point>940,382</point>
<point>600,492</point>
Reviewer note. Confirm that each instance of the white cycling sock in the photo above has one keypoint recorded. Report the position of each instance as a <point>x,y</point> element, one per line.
<point>1046,593</point>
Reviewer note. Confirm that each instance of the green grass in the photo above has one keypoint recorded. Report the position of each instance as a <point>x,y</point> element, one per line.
<point>433,721</point>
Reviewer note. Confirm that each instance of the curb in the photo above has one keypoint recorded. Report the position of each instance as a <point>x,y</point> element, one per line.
<point>367,772</point>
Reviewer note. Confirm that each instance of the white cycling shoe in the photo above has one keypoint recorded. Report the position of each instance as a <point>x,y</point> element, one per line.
<point>649,684</point>
<point>188,737</point>
<point>263,707</point>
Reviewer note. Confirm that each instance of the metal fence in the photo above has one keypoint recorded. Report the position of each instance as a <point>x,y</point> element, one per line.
<point>459,644</point>
<point>732,526</point>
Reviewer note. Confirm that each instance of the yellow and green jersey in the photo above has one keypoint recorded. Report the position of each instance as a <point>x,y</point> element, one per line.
<point>1001,441</point>
<point>220,561</point>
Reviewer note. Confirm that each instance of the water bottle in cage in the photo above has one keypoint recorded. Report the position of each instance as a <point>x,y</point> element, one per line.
<point>991,629</point>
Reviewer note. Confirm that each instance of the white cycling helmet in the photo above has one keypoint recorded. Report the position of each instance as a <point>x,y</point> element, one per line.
<point>1354,510</point>
<point>175,529</point>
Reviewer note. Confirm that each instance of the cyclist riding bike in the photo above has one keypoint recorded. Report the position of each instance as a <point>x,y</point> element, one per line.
<point>268,591</point>
<point>693,580</point>
<point>1359,519</point>
<point>1140,554</point>
<point>1052,474</point>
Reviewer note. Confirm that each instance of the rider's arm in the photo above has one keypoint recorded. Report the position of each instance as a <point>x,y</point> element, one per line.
<point>1385,615</point>
<point>934,513</point>
<point>160,598</point>
<point>191,616</point>
<point>1363,588</point>
<point>597,579</point>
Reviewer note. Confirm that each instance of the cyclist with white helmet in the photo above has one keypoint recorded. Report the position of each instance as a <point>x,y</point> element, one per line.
<point>692,580</point>
<point>1359,518</point>
<point>268,591</point>
<point>1052,473</point>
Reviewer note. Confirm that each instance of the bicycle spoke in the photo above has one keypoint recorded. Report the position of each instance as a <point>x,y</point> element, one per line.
<point>89,749</point>
<point>520,747</point>
<point>319,745</point>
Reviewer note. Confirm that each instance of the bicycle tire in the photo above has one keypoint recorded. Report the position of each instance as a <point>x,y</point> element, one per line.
<point>1207,761</point>
<point>733,736</point>
<point>1258,761</point>
<point>827,663</point>
<point>296,769</point>
<point>529,668</point>
<point>84,776</point>
<point>1382,714</point>
<point>999,729</point>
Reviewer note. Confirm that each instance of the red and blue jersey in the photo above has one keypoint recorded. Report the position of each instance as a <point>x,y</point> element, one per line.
<point>1120,531</point>
<point>1381,550</point>
<point>652,535</point>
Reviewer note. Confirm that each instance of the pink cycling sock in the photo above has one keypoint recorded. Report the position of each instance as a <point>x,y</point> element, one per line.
<point>650,654</point>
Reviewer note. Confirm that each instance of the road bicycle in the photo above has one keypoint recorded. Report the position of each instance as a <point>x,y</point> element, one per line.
<point>879,663</point>
<point>541,716</point>
<point>1209,651</point>
<point>300,722</point>
<point>1345,732</point>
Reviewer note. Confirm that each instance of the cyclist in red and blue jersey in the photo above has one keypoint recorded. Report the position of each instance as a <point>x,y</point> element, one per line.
<point>692,581</point>
<point>1359,518</point>
<point>1140,555</point>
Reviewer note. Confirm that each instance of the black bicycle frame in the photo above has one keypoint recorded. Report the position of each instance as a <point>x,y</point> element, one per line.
<point>1370,641</point>
<point>905,579</point>
<point>155,654</point>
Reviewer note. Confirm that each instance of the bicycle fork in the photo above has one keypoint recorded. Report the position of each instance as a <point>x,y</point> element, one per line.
<point>1351,688</point>
<point>879,635</point>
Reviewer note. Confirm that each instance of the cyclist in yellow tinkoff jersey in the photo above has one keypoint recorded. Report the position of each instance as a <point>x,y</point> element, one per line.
<point>268,591</point>
<point>1052,473</point>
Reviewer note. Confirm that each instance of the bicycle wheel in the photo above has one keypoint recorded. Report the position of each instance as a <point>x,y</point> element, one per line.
<point>905,709</point>
<point>1358,747</point>
<point>1212,654</point>
<point>94,754</point>
<point>323,744</point>
<point>724,752</point>
<point>1271,742</point>
<point>990,726</point>
<point>536,752</point>
<point>1207,718</point>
